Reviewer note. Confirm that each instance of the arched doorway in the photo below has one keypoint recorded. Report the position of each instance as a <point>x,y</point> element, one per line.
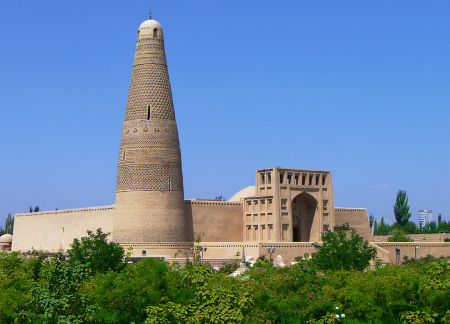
<point>303,210</point>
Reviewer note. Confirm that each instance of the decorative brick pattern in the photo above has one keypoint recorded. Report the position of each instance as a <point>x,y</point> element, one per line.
<point>149,86</point>
<point>149,177</point>
<point>152,143</point>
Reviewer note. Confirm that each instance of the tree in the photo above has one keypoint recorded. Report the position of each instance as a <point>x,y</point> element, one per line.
<point>382,228</point>
<point>9,225</point>
<point>400,236</point>
<point>372,222</point>
<point>343,249</point>
<point>410,228</point>
<point>96,253</point>
<point>35,209</point>
<point>57,296</point>
<point>401,208</point>
<point>439,219</point>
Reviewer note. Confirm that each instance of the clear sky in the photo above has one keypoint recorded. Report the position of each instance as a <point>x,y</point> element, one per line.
<point>360,88</point>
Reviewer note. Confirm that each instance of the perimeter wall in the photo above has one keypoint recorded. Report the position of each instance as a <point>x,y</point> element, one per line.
<point>54,231</point>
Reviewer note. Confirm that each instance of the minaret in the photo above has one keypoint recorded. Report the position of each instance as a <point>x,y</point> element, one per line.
<point>149,196</point>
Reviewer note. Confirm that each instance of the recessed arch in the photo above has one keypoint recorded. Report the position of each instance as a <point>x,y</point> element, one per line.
<point>303,210</point>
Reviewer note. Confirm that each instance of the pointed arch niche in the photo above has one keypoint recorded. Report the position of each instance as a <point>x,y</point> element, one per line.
<point>304,208</point>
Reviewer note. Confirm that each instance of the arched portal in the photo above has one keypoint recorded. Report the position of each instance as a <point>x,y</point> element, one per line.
<point>303,210</point>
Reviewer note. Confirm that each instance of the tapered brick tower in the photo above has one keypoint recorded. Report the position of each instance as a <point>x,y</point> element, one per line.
<point>149,196</point>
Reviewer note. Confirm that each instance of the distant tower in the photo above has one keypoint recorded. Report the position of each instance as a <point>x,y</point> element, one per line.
<point>149,196</point>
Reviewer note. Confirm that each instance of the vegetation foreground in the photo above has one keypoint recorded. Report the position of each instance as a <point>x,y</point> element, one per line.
<point>91,284</point>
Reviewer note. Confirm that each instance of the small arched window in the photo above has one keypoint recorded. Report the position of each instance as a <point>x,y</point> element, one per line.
<point>155,32</point>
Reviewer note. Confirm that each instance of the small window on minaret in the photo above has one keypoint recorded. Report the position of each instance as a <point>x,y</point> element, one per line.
<point>155,32</point>
<point>149,111</point>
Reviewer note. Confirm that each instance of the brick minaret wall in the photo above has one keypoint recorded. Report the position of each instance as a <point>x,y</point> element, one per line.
<point>149,196</point>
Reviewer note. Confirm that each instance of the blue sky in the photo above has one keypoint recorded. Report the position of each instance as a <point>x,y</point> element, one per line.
<point>360,88</point>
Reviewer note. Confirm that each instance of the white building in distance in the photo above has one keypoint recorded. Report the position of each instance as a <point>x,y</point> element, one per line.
<point>425,216</point>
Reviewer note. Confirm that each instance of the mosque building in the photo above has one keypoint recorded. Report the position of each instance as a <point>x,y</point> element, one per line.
<point>287,209</point>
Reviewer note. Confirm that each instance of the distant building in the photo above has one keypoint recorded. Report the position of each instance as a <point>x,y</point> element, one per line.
<point>425,216</point>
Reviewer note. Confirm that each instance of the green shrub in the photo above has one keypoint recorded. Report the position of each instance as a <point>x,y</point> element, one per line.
<point>418,317</point>
<point>122,297</point>
<point>228,268</point>
<point>400,236</point>
<point>343,249</point>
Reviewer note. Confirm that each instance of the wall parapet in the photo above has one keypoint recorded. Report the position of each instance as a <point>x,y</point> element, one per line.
<point>63,211</point>
<point>412,244</point>
<point>435,237</point>
<point>158,245</point>
<point>344,209</point>
<point>212,203</point>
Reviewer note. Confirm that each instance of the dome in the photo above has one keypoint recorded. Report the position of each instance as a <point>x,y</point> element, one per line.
<point>148,27</point>
<point>6,238</point>
<point>243,193</point>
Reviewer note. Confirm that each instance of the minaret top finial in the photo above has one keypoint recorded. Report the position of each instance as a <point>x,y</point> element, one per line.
<point>150,14</point>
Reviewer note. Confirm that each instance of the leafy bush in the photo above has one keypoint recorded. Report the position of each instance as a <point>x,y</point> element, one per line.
<point>418,317</point>
<point>15,276</point>
<point>378,295</point>
<point>122,297</point>
<point>400,236</point>
<point>96,253</point>
<point>56,295</point>
<point>343,249</point>
<point>217,299</point>
<point>287,295</point>
<point>228,268</point>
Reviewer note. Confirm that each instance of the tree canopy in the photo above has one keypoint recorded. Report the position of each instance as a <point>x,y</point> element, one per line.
<point>343,249</point>
<point>96,253</point>
<point>9,225</point>
<point>401,208</point>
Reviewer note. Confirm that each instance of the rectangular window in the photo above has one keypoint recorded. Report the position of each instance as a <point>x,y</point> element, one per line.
<point>296,179</point>
<point>281,177</point>
<point>324,177</point>
<point>263,178</point>
<point>149,112</point>
<point>303,179</point>
<point>311,177</point>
